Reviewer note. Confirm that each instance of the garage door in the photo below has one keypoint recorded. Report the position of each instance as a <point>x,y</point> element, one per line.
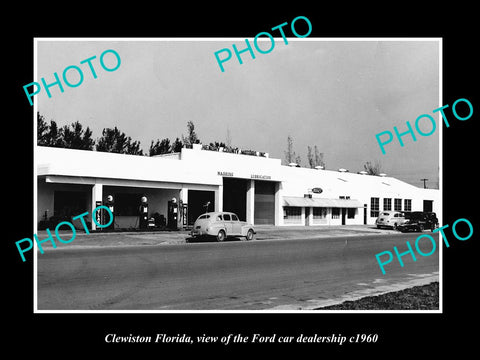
<point>199,202</point>
<point>264,203</point>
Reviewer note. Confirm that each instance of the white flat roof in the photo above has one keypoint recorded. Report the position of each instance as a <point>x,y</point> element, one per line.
<point>209,167</point>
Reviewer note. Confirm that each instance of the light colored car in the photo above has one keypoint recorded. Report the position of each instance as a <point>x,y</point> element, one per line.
<point>222,225</point>
<point>390,219</point>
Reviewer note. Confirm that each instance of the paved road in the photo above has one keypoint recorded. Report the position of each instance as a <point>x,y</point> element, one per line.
<point>236,275</point>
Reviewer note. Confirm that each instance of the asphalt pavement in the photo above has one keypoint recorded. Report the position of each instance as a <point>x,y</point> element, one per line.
<point>294,273</point>
<point>264,232</point>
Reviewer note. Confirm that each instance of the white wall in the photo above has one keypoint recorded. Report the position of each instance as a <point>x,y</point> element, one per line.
<point>94,164</point>
<point>242,166</point>
<point>199,168</point>
<point>298,181</point>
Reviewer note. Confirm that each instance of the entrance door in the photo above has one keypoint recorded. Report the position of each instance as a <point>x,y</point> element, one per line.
<point>344,214</point>
<point>427,205</point>
<point>307,216</point>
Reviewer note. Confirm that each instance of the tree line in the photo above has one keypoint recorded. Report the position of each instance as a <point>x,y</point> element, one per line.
<point>112,139</point>
<point>115,141</point>
<point>316,158</point>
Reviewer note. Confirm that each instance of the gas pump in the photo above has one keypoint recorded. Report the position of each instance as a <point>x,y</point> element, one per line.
<point>182,214</point>
<point>99,214</point>
<point>111,205</point>
<point>143,213</point>
<point>185,215</point>
<point>172,215</point>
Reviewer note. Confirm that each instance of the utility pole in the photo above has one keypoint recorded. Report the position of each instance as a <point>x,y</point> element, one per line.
<point>424,183</point>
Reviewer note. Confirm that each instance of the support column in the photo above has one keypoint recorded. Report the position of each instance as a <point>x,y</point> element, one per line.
<point>278,204</point>
<point>219,198</point>
<point>97,195</point>
<point>310,216</point>
<point>182,200</point>
<point>250,206</point>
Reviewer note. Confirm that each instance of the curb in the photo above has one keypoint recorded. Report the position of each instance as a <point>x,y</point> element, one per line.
<point>158,238</point>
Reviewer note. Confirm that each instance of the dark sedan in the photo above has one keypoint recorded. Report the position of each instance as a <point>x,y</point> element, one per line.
<point>410,226</point>
<point>417,221</point>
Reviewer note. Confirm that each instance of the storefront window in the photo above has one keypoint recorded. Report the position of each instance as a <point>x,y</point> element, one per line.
<point>351,213</point>
<point>374,206</point>
<point>319,213</point>
<point>335,213</point>
<point>398,205</point>
<point>387,204</point>
<point>407,205</point>
<point>292,213</point>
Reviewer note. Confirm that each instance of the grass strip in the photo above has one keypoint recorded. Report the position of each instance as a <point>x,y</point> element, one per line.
<point>425,297</point>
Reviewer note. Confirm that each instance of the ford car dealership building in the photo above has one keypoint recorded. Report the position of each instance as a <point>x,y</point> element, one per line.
<point>179,187</point>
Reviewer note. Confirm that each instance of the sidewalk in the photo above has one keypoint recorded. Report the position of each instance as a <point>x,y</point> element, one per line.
<point>153,238</point>
<point>292,232</point>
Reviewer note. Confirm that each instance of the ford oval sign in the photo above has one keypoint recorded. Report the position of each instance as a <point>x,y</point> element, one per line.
<point>317,190</point>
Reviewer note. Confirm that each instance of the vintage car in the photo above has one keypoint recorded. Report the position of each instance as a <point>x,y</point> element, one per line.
<point>419,221</point>
<point>410,226</point>
<point>390,219</point>
<point>222,225</point>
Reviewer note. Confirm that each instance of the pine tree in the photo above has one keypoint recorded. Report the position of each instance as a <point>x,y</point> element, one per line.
<point>113,140</point>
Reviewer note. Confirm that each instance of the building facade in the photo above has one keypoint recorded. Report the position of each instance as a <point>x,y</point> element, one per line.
<point>179,187</point>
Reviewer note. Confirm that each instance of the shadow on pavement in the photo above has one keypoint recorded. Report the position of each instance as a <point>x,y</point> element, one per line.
<point>209,239</point>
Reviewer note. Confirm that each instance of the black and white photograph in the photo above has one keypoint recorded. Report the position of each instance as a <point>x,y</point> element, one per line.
<point>260,187</point>
<point>229,180</point>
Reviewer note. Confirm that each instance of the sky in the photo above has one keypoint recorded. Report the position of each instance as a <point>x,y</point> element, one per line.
<point>336,95</point>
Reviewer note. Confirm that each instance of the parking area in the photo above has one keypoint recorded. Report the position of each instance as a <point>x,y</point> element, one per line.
<point>264,232</point>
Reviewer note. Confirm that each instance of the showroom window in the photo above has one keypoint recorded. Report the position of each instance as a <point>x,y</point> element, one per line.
<point>407,205</point>
<point>397,205</point>
<point>319,213</point>
<point>374,206</point>
<point>335,213</point>
<point>387,204</point>
<point>292,213</point>
<point>351,213</point>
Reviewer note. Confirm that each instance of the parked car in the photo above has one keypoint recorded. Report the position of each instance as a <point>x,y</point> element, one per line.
<point>390,219</point>
<point>419,221</point>
<point>222,225</point>
<point>410,226</point>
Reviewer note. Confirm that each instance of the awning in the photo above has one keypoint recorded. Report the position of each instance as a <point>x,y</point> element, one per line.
<point>319,202</point>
